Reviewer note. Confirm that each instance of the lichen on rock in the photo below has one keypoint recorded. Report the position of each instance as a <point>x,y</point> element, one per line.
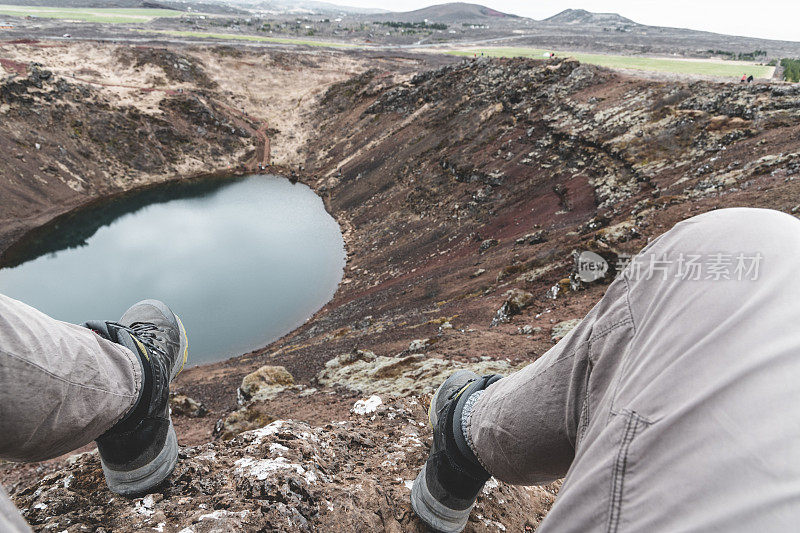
<point>265,383</point>
<point>561,329</point>
<point>182,405</point>
<point>414,374</point>
<point>250,416</point>
<point>515,301</point>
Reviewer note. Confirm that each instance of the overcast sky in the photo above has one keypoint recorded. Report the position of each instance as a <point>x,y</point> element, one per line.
<point>771,19</point>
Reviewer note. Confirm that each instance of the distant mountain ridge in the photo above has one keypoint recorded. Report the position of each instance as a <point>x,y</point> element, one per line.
<point>454,12</point>
<point>581,16</point>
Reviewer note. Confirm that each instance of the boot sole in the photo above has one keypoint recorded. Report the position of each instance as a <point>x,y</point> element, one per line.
<point>433,513</point>
<point>149,476</point>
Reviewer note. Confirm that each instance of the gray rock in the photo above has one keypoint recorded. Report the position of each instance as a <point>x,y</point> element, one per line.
<point>419,345</point>
<point>561,329</point>
<point>536,237</point>
<point>182,405</point>
<point>265,383</point>
<point>398,376</point>
<point>479,272</point>
<point>488,243</point>
<point>349,475</point>
<point>527,329</point>
<point>516,301</point>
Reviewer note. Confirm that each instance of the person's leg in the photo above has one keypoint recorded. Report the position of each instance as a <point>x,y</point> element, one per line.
<point>527,426</point>
<point>61,385</point>
<point>10,519</point>
<point>524,428</point>
<point>673,405</point>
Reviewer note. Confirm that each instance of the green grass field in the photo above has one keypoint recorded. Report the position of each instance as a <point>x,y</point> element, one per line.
<point>89,14</point>
<point>726,69</point>
<point>258,38</point>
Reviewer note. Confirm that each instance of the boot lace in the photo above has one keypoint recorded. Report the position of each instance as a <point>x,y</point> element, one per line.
<point>146,332</point>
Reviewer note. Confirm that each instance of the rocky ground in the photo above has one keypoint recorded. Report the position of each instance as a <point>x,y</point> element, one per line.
<point>351,474</point>
<point>463,192</point>
<point>469,181</point>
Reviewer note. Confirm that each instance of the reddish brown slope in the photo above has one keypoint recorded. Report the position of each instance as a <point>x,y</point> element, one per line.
<point>421,173</point>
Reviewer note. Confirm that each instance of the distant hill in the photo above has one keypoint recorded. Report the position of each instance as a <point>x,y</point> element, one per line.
<point>451,13</point>
<point>581,16</point>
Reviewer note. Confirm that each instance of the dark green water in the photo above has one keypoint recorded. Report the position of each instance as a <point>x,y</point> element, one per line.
<point>242,262</point>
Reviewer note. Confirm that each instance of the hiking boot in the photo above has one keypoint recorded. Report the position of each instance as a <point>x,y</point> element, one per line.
<point>446,489</point>
<point>141,450</point>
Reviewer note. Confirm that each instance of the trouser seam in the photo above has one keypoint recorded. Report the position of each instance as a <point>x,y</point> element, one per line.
<point>611,327</point>
<point>627,321</point>
<point>623,363</point>
<point>628,301</point>
<point>620,469</point>
<point>585,414</point>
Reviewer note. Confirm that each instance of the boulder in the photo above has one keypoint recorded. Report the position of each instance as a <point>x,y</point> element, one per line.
<point>488,243</point>
<point>515,301</point>
<point>182,405</point>
<point>617,233</point>
<point>265,383</point>
<point>367,406</point>
<point>527,329</point>
<point>251,416</point>
<point>479,272</point>
<point>536,237</point>
<point>420,345</point>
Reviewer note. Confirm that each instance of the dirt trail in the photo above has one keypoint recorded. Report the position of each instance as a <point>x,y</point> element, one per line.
<point>261,159</point>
